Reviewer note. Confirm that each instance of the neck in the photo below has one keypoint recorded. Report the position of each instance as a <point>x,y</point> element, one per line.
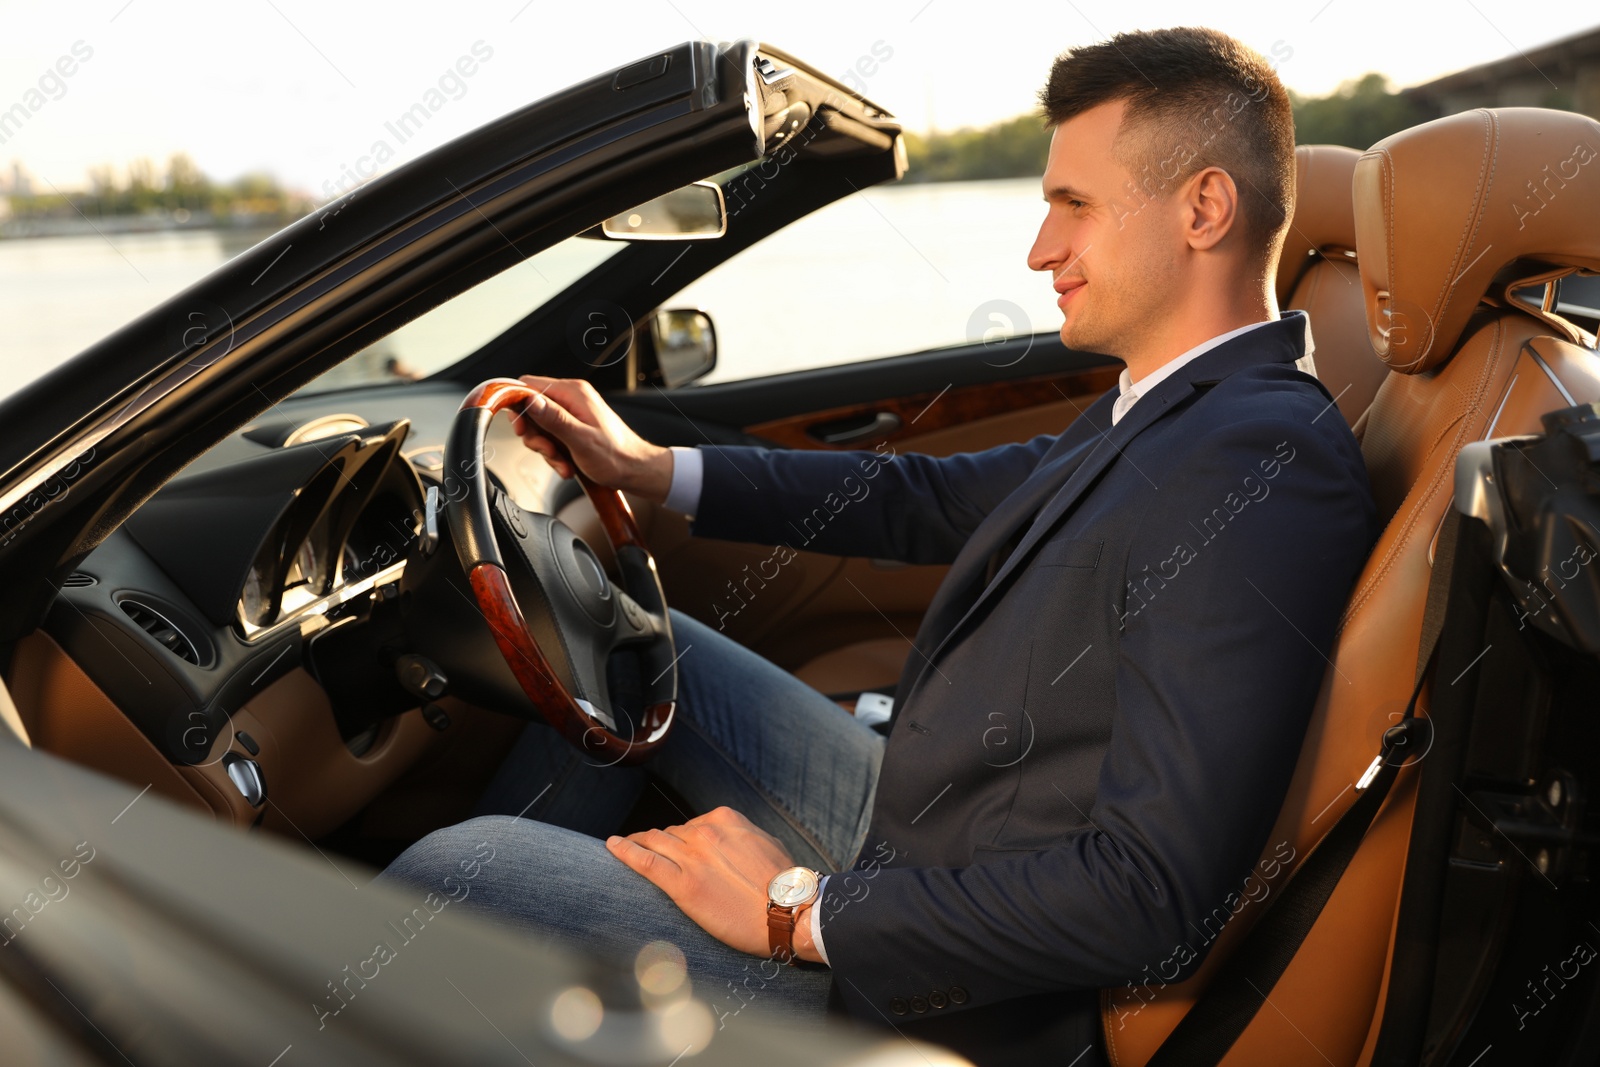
<point>1203,314</point>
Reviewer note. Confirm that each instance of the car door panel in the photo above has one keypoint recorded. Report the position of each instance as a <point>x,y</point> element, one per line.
<point>927,414</point>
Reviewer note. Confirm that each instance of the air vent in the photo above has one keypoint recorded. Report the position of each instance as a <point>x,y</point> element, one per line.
<point>157,626</point>
<point>79,580</point>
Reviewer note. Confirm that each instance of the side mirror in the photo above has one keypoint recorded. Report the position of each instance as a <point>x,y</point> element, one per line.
<point>686,345</point>
<point>693,213</point>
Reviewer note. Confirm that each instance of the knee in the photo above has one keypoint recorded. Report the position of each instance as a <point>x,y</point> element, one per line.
<point>457,854</point>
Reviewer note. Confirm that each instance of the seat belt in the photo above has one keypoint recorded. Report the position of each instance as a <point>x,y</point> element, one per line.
<point>1228,1004</point>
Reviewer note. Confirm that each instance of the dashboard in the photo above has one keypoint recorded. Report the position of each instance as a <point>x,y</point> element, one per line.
<point>291,529</point>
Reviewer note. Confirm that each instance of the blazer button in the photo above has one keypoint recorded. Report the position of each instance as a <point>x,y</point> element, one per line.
<point>898,1006</point>
<point>938,999</point>
<point>958,995</point>
<point>919,1005</point>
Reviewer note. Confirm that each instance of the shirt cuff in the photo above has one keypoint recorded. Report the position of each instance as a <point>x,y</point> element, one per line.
<point>816,920</point>
<point>688,472</point>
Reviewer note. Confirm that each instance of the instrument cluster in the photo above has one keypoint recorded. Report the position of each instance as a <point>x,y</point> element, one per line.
<point>340,535</point>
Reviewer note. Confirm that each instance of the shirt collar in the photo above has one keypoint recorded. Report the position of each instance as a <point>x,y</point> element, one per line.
<point>1172,367</point>
<point>1126,385</point>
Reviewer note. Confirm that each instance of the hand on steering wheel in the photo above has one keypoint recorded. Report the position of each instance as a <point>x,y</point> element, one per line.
<point>574,429</point>
<point>563,656</point>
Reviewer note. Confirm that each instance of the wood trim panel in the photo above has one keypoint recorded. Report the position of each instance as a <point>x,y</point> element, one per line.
<point>921,413</point>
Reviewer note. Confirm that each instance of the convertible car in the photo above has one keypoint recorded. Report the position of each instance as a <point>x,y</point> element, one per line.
<point>277,603</point>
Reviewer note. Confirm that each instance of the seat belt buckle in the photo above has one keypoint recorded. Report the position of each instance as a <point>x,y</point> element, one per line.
<point>873,708</point>
<point>1404,739</point>
<point>1371,772</point>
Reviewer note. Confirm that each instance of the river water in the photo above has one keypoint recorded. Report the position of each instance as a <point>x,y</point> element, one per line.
<point>887,270</point>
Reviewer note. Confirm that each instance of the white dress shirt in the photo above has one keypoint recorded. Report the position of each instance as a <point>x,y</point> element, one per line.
<point>688,471</point>
<point>688,475</point>
<point>1131,390</point>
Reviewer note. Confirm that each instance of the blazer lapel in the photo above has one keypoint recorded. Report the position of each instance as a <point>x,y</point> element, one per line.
<point>1109,444</point>
<point>1079,468</point>
<point>956,592</point>
<point>966,579</point>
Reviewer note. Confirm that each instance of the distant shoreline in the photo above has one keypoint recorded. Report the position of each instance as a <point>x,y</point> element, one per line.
<point>107,225</point>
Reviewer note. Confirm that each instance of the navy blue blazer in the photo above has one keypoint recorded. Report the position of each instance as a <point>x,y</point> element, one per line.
<point>1091,744</point>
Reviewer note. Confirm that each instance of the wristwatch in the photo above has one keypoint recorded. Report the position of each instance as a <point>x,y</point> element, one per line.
<point>788,892</point>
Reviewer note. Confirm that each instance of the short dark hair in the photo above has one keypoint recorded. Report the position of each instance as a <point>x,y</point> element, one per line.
<point>1195,98</point>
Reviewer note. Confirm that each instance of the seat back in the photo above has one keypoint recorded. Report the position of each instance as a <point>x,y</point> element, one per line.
<point>1317,274</point>
<point>1450,216</point>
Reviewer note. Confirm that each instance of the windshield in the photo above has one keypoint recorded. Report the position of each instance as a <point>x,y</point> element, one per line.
<point>463,324</point>
<point>63,293</point>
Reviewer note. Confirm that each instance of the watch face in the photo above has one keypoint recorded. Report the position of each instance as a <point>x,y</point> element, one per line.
<point>793,886</point>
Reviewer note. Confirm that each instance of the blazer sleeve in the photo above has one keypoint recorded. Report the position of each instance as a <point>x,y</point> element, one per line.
<point>1214,685</point>
<point>906,506</point>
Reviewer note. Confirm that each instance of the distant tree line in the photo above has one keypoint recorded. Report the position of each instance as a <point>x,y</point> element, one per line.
<point>1012,149</point>
<point>1358,114</point>
<point>182,190</point>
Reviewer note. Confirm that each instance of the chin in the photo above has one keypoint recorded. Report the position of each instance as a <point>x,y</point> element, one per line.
<point>1088,335</point>
<point>1074,335</point>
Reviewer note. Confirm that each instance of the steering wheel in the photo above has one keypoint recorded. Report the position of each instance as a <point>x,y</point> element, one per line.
<point>571,658</point>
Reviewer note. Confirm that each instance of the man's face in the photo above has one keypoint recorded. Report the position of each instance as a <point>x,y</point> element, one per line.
<point>1112,252</point>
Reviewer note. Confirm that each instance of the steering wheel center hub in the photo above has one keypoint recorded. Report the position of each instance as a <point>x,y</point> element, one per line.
<point>584,577</point>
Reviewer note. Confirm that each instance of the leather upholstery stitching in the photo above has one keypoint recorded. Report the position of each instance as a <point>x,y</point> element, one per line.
<point>1470,226</point>
<point>1386,190</point>
<point>1111,1042</point>
<point>1313,281</point>
<point>1409,517</point>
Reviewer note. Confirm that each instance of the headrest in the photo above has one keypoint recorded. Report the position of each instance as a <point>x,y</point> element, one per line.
<point>1324,215</point>
<point>1444,207</point>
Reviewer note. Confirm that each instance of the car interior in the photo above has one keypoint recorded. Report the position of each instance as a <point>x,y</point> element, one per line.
<point>278,562</point>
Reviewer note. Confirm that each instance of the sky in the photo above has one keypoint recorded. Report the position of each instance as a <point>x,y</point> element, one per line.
<point>303,88</point>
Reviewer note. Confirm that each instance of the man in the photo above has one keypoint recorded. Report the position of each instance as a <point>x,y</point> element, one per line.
<point>1096,727</point>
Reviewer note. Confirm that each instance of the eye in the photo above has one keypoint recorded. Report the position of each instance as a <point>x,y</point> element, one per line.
<point>1075,204</point>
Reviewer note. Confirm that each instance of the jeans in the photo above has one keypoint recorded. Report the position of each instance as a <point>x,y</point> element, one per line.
<point>747,735</point>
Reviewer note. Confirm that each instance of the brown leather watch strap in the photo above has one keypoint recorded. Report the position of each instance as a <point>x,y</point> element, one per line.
<point>780,932</point>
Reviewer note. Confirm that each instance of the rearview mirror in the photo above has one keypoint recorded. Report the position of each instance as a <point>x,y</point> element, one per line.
<point>686,346</point>
<point>693,213</point>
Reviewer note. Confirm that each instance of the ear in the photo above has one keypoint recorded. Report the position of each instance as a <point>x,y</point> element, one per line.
<point>1211,208</point>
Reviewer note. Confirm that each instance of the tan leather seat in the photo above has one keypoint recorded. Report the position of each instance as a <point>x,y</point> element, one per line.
<point>1317,274</point>
<point>1445,220</point>
<point>872,665</point>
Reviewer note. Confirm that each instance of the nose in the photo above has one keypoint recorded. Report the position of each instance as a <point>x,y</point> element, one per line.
<point>1050,247</point>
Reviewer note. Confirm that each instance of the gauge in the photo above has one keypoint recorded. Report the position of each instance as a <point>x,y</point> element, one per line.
<point>308,564</point>
<point>307,578</point>
<point>255,603</point>
<point>349,564</point>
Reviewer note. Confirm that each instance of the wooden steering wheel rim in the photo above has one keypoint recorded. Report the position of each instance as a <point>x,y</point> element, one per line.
<point>473,533</point>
